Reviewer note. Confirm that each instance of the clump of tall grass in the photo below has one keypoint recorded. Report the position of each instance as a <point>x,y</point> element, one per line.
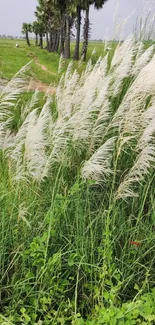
<point>77,188</point>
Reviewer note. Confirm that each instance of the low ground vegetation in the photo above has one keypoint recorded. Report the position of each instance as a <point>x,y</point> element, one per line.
<point>77,194</point>
<point>44,66</point>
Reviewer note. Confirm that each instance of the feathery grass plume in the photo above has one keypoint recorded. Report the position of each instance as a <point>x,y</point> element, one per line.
<point>4,134</point>
<point>122,141</point>
<point>136,174</point>
<point>88,69</point>
<point>22,213</point>
<point>7,142</point>
<point>149,114</point>
<point>102,109</point>
<point>59,139</point>
<point>28,156</point>
<point>85,97</point>
<point>121,51</point>
<point>82,122</point>
<point>148,121</point>
<point>81,125</point>
<point>77,96</point>
<point>140,50</point>
<point>98,167</point>
<point>148,135</point>
<point>14,88</point>
<point>8,97</point>
<point>122,63</point>
<point>61,63</point>
<point>36,142</point>
<point>129,114</point>
<point>68,74</point>
<point>30,105</point>
<point>18,163</point>
<point>101,122</point>
<point>82,103</point>
<point>141,61</point>
<point>60,90</point>
<point>65,96</point>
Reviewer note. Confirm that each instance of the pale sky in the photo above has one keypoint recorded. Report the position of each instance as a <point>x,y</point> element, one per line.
<point>14,12</point>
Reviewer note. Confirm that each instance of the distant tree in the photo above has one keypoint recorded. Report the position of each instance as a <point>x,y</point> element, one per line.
<point>35,29</point>
<point>26,29</point>
<point>98,4</point>
<point>47,15</point>
<point>78,29</point>
<point>41,31</point>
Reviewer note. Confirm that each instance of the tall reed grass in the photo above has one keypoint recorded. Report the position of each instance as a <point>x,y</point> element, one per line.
<point>77,190</point>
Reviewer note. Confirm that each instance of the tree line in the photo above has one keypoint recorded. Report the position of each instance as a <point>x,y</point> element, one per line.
<point>55,19</point>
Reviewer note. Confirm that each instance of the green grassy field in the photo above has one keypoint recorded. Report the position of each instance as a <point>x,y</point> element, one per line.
<point>77,189</point>
<point>12,59</point>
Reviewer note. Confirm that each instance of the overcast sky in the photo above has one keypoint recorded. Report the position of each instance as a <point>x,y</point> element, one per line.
<point>14,12</point>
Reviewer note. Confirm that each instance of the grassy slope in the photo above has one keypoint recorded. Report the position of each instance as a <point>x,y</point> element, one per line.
<point>12,59</point>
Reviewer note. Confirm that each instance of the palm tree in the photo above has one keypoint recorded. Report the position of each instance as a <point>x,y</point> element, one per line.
<point>35,29</point>
<point>78,30</point>
<point>26,29</point>
<point>69,19</point>
<point>48,13</point>
<point>41,31</point>
<point>61,5</point>
<point>42,17</point>
<point>98,4</point>
<point>85,31</point>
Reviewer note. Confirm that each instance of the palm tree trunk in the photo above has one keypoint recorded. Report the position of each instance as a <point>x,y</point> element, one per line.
<point>54,42</point>
<point>41,40</point>
<point>67,42</point>
<point>77,44</point>
<point>57,42</point>
<point>47,41</point>
<point>62,33</point>
<point>27,39</point>
<point>85,36</point>
<point>50,42</point>
<point>36,39</point>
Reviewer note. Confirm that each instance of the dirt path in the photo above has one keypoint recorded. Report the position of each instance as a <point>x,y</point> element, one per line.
<point>42,66</point>
<point>36,84</point>
<point>32,85</point>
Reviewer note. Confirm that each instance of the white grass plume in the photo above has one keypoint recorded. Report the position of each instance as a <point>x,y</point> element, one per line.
<point>99,165</point>
<point>61,63</point>
<point>22,214</point>
<point>148,133</point>
<point>136,174</point>
<point>14,88</point>
<point>121,51</point>
<point>66,104</point>
<point>140,50</point>
<point>35,144</point>
<point>18,161</point>
<point>30,105</point>
<point>129,114</point>
<point>122,68</point>
<point>8,98</point>
<point>142,61</point>
<point>29,154</point>
<point>60,136</point>
<point>68,74</point>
